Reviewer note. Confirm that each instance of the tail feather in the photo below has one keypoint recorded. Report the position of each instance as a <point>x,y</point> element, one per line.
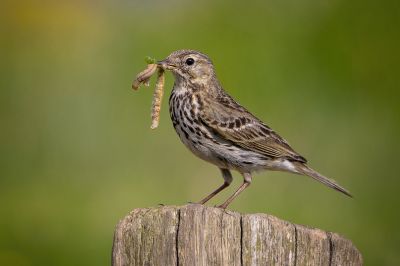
<point>305,170</point>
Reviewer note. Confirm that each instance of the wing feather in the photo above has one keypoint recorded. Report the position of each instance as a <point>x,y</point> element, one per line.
<point>234,123</point>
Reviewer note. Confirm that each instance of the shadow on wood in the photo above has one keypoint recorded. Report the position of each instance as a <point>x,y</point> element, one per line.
<point>198,235</point>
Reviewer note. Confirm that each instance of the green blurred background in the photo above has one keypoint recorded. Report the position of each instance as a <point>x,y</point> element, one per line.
<point>77,152</point>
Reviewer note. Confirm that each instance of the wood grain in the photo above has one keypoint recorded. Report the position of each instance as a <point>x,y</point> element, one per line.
<point>197,235</point>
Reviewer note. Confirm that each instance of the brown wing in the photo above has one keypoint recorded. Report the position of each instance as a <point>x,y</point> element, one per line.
<point>234,123</point>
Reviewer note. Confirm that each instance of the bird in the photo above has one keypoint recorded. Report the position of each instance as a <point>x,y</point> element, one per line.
<point>217,129</point>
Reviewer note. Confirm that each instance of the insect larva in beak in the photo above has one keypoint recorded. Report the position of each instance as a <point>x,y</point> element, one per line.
<point>144,76</point>
<point>157,98</point>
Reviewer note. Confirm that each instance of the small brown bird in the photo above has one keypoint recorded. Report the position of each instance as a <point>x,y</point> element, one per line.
<point>219,130</point>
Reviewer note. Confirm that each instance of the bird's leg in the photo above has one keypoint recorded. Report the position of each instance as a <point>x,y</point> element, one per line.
<point>246,182</point>
<point>226,174</point>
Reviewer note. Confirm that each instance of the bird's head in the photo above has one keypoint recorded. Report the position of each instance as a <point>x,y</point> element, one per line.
<point>190,66</point>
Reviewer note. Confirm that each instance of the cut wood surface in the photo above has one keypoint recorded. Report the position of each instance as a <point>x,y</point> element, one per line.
<point>197,235</point>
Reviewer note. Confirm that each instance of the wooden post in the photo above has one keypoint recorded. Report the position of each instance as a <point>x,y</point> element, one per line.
<point>197,235</point>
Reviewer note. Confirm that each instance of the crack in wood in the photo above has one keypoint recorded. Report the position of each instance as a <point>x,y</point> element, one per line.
<point>328,234</point>
<point>295,245</point>
<point>176,237</point>
<point>241,240</point>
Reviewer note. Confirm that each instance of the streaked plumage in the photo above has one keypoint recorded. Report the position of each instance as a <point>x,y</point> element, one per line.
<point>219,130</point>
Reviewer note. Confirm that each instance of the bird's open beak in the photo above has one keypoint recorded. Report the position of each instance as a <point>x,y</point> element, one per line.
<point>166,64</point>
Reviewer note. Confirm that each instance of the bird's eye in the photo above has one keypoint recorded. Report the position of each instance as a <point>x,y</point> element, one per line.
<point>189,61</point>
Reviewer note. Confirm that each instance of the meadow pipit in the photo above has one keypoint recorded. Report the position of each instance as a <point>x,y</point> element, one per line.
<point>219,130</point>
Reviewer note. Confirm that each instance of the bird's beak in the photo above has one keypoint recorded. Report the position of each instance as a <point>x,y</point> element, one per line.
<point>166,64</point>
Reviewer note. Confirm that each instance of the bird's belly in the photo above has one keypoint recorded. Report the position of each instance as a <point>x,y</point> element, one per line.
<point>201,147</point>
<point>198,145</point>
<point>205,144</point>
<point>221,154</point>
<point>189,129</point>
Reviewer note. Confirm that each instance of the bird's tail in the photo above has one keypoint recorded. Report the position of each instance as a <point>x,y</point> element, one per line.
<point>305,170</point>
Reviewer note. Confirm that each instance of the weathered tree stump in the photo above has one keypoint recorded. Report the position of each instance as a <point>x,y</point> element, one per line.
<point>198,235</point>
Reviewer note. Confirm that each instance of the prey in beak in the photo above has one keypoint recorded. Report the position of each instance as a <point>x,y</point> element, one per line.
<point>144,78</point>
